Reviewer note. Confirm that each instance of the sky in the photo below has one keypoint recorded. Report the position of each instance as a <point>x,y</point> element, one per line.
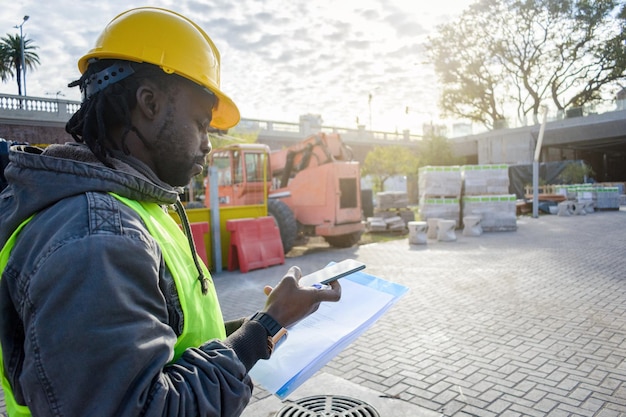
<point>350,61</point>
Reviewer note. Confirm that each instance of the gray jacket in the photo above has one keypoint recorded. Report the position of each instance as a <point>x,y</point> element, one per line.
<point>89,312</point>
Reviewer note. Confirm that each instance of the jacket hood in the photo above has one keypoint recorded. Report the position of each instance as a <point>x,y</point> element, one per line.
<point>39,178</point>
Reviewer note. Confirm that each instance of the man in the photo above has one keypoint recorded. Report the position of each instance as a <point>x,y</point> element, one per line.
<point>105,309</point>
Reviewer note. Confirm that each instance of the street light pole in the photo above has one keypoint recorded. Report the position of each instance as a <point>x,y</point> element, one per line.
<point>22,53</point>
<point>369,103</point>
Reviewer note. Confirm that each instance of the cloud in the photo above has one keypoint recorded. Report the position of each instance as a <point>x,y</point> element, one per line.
<point>280,59</point>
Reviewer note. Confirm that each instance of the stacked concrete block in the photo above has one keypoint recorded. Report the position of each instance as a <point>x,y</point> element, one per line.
<point>386,224</point>
<point>485,179</point>
<point>497,212</point>
<point>486,194</point>
<point>440,208</point>
<point>586,195</point>
<point>440,192</point>
<point>592,196</point>
<point>392,204</point>
<point>440,181</point>
<point>376,225</point>
<point>396,224</point>
<point>388,200</point>
<point>607,198</point>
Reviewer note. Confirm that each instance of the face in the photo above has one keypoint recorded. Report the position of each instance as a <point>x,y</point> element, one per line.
<point>180,142</point>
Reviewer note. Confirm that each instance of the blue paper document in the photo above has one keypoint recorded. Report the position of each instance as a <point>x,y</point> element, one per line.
<point>314,341</point>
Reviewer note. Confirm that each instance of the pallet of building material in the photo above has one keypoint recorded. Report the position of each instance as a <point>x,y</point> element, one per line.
<point>391,200</point>
<point>485,179</point>
<point>406,214</point>
<point>440,208</point>
<point>376,225</point>
<point>396,224</point>
<point>440,181</point>
<point>498,212</point>
<point>385,214</point>
<point>607,198</point>
<point>577,192</point>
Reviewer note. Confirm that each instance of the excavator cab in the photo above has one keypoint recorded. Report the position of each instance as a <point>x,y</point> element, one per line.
<point>243,174</point>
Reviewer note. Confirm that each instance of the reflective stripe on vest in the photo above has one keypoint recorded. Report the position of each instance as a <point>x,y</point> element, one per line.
<point>202,317</point>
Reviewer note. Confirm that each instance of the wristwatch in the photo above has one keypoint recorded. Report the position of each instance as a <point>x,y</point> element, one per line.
<point>275,332</point>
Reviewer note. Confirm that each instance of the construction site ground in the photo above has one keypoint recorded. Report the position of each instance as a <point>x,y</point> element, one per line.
<point>523,323</point>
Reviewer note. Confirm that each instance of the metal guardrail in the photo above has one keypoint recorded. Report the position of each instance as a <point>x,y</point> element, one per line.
<point>56,110</point>
<point>305,128</point>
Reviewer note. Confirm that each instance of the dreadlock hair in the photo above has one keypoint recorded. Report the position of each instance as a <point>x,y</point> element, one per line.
<point>111,106</point>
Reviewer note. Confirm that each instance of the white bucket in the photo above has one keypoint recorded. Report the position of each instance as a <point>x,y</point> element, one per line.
<point>417,233</point>
<point>445,231</point>
<point>471,226</point>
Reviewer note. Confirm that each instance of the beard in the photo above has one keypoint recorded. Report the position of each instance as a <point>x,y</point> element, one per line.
<point>174,152</point>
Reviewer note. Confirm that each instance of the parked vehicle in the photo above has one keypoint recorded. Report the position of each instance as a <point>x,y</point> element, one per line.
<point>312,188</point>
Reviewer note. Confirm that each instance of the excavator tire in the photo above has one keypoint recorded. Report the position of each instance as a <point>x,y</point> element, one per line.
<point>343,241</point>
<point>286,222</point>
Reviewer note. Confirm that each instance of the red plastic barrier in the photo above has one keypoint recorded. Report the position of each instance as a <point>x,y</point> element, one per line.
<point>198,230</point>
<point>254,244</point>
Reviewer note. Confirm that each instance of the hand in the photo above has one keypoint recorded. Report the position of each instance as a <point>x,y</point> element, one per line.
<point>289,303</point>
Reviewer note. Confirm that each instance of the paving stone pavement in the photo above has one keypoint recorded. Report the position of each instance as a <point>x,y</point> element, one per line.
<point>524,323</point>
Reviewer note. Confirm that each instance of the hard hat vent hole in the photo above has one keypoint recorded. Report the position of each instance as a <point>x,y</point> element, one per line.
<point>99,81</point>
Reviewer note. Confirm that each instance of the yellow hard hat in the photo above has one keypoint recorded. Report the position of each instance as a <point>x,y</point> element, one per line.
<point>171,41</point>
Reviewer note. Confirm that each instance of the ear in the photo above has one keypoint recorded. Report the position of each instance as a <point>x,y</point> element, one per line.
<point>148,100</point>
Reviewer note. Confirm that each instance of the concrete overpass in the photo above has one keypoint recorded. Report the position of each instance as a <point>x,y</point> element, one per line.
<point>598,138</point>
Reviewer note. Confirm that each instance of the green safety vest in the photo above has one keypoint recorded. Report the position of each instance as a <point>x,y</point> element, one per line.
<point>202,315</point>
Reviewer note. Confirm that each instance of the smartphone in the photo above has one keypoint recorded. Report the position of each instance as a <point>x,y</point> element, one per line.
<point>332,272</point>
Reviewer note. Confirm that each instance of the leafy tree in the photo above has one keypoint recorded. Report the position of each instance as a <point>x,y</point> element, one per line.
<point>5,69</point>
<point>576,173</point>
<point>11,58</point>
<point>518,53</point>
<point>384,162</point>
<point>220,138</point>
<point>436,151</point>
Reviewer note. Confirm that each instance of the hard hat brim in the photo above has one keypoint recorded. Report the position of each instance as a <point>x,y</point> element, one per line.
<point>225,114</point>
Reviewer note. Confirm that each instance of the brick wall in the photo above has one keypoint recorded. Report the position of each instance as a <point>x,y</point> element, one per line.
<point>34,134</point>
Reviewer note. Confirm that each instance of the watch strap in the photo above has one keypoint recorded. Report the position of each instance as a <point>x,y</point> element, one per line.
<point>271,326</point>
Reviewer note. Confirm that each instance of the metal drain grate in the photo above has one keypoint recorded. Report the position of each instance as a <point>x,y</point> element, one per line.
<point>328,406</point>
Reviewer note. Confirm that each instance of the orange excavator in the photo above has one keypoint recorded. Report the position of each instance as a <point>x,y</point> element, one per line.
<point>312,188</point>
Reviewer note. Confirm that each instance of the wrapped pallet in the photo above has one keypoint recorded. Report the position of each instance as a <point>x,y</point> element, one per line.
<point>607,198</point>
<point>578,192</point>
<point>485,179</point>
<point>440,181</point>
<point>387,200</point>
<point>440,208</point>
<point>597,196</point>
<point>497,212</point>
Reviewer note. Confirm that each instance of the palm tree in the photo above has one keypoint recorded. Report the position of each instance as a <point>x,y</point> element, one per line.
<point>5,70</point>
<point>11,58</point>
